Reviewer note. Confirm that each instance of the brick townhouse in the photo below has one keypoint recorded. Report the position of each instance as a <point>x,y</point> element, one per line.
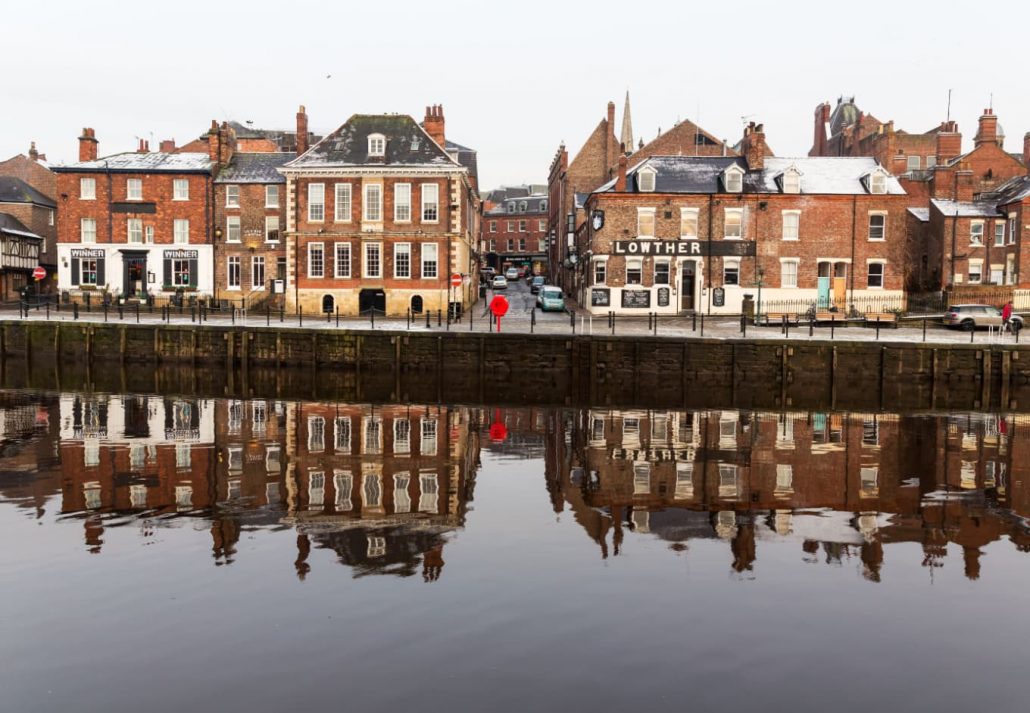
<point>28,193</point>
<point>135,224</point>
<point>514,228</point>
<point>379,216</point>
<point>678,234</point>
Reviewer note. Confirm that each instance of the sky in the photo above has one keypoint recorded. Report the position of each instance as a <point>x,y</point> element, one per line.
<point>515,79</point>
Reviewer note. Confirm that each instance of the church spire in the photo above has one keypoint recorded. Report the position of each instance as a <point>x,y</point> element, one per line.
<point>627,128</point>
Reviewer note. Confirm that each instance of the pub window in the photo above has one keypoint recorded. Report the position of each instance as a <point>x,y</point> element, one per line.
<point>733,224</point>
<point>600,271</point>
<point>234,272</point>
<point>88,189</point>
<point>634,271</point>
<point>233,232</point>
<point>688,223</point>
<point>271,229</point>
<point>88,230</point>
<point>180,272</point>
<point>730,271</point>
<point>134,189</point>
<point>135,230</point>
<point>645,222</point>
<point>661,273</point>
<point>180,232</point>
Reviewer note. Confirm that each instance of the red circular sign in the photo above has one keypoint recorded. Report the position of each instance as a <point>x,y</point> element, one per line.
<point>39,273</point>
<point>499,306</point>
<point>455,280</point>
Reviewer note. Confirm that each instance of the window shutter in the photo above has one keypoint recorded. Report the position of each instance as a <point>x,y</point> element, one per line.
<point>193,273</point>
<point>168,272</point>
<point>101,280</point>
<point>75,271</point>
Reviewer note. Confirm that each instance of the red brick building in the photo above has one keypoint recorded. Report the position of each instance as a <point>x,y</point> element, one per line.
<point>28,193</point>
<point>379,216</point>
<point>677,234</point>
<point>514,229</point>
<point>137,224</point>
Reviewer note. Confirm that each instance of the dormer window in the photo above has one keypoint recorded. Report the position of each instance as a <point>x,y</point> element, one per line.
<point>791,180</point>
<point>646,179</point>
<point>878,181</point>
<point>511,207</point>
<point>376,145</point>
<point>522,207</point>
<point>543,206</point>
<point>733,179</point>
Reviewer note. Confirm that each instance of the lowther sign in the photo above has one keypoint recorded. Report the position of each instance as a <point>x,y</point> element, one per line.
<point>698,248</point>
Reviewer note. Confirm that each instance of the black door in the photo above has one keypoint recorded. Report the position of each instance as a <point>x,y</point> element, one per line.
<point>135,276</point>
<point>687,286</point>
<point>372,299</point>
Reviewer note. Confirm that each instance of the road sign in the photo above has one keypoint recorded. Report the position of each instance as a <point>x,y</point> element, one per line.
<point>455,280</point>
<point>499,307</point>
<point>39,273</point>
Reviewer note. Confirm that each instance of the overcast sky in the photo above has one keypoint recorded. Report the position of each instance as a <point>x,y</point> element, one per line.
<point>515,79</point>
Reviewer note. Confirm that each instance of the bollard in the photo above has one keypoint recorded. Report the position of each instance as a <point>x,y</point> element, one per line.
<point>328,316</point>
<point>786,327</point>
<point>655,327</point>
<point>193,314</point>
<point>427,320</point>
<point>783,324</point>
<point>268,315</point>
<point>231,309</point>
<point>833,326</point>
<point>694,326</point>
<point>877,327</point>
<point>572,321</point>
<point>337,316</point>
<point>924,329</point>
<point>613,321</point>
<point>743,325</point>
<point>282,315</point>
<point>971,333</point>
<point>88,303</point>
<point>75,310</point>
<point>300,316</point>
<point>105,311</point>
<point>137,313</point>
<point>439,318</point>
<point>407,318</point>
<point>532,321</point>
<point>649,321</point>
<point>811,326</point>
<point>702,325</point>
<point>373,313</point>
<point>48,311</point>
<point>472,316</point>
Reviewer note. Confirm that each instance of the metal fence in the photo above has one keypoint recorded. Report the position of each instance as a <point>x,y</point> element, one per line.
<point>928,303</point>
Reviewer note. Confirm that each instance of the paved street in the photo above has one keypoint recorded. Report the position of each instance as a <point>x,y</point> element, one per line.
<point>520,319</point>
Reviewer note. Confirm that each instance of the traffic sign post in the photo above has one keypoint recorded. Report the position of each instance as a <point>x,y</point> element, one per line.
<point>455,280</point>
<point>499,308</point>
<point>39,273</point>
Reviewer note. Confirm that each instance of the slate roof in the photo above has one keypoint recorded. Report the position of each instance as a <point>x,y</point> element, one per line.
<point>921,214</point>
<point>13,226</point>
<point>156,162</point>
<point>1013,190</point>
<point>533,205</point>
<point>407,144</point>
<point>466,157</point>
<point>966,209</point>
<point>15,190</point>
<point>255,168</point>
<point>703,174</point>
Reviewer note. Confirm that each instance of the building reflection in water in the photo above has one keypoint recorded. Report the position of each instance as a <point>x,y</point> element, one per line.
<point>842,485</point>
<point>384,488</point>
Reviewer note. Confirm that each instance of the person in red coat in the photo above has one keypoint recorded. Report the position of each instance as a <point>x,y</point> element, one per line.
<point>1006,316</point>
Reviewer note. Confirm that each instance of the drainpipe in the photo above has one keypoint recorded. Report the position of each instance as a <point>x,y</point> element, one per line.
<point>708,253</point>
<point>954,227</point>
<point>854,229</point>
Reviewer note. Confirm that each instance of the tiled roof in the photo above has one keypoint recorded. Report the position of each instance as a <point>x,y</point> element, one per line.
<point>966,209</point>
<point>15,190</point>
<point>255,168</point>
<point>704,174</point>
<point>534,204</point>
<point>407,144</point>
<point>144,163</point>
<point>13,226</point>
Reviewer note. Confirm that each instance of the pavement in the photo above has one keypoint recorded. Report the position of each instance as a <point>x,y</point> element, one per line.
<point>520,319</point>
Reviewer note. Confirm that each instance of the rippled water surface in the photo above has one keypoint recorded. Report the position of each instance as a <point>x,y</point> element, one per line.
<point>170,554</point>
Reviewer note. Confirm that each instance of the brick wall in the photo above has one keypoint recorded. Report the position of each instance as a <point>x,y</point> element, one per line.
<point>252,213</point>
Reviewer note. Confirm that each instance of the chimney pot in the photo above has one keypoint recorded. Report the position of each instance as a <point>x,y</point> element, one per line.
<point>988,130</point>
<point>620,181</point>
<point>435,125</point>
<point>88,146</point>
<point>302,130</point>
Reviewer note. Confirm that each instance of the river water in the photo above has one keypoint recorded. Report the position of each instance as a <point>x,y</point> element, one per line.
<point>170,553</point>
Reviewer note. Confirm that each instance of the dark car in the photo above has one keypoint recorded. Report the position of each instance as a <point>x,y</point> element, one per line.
<point>536,283</point>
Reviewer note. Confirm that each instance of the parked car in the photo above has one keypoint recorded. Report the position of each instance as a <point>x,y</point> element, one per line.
<point>512,273</point>
<point>550,299</point>
<point>487,274</point>
<point>499,283</point>
<point>970,317</point>
<point>536,283</point>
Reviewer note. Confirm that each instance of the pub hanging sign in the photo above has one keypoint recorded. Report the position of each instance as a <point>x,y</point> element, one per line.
<point>685,248</point>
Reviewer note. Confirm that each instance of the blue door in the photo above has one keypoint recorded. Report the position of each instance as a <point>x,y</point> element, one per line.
<point>824,292</point>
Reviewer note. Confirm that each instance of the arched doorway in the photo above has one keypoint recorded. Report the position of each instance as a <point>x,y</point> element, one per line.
<point>328,303</point>
<point>416,304</point>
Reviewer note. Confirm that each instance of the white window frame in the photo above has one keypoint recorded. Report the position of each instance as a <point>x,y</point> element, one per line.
<point>733,179</point>
<point>1013,224</point>
<point>999,234</point>
<point>376,145</point>
<point>913,163</point>
<point>372,205</point>
<point>133,189</point>
<point>791,181</point>
<point>337,262</point>
<point>878,183</point>
<point>868,273</point>
<point>232,196</point>
<point>976,228</point>
<point>668,267</point>
<point>272,195</point>
<point>180,231</point>
<point>635,264</point>
<point>318,247</point>
<point>795,216</point>
<point>88,189</point>
<point>979,264</point>
<point>433,248</point>
<point>402,202</point>
<point>344,194</point>
<point>401,250</point>
<point>727,263</point>
<point>600,263</point>
<point>181,189</point>
<point>401,436</point>
<point>233,261</point>
<point>365,261</point>
<point>255,261</point>
<point>134,231</point>
<point>233,226</point>
<point>784,281</point>
<point>643,214</point>
<point>883,228</point>
<point>271,220</point>
<point>433,188</point>
<point>493,226</point>
<point>647,179</point>
<point>316,202</point>
<point>727,212</point>
<point>689,216</point>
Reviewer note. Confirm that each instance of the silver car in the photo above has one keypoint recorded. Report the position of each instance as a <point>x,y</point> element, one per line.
<point>970,317</point>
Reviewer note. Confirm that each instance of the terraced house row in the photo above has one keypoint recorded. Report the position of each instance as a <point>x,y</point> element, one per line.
<point>378,214</point>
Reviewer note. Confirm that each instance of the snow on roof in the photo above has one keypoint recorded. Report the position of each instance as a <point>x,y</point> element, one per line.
<point>923,214</point>
<point>144,162</point>
<point>255,168</point>
<point>966,209</point>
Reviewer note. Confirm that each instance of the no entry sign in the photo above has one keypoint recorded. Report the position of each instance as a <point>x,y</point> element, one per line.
<point>499,307</point>
<point>455,280</point>
<point>39,273</point>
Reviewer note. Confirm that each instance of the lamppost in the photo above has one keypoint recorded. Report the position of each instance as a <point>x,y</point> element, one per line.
<point>758,310</point>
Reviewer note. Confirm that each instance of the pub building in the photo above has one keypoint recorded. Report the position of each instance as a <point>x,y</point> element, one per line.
<point>686,234</point>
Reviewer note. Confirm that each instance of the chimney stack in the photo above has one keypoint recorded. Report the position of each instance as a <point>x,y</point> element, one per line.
<point>88,145</point>
<point>949,142</point>
<point>143,147</point>
<point>302,130</point>
<point>212,142</point>
<point>168,146</point>
<point>620,181</point>
<point>1026,151</point>
<point>226,144</point>
<point>611,116</point>
<point>988,133</point>
<point>754,146</point>
<point>33,153</point>
<point>963,184</point>
<point>434,124</point>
